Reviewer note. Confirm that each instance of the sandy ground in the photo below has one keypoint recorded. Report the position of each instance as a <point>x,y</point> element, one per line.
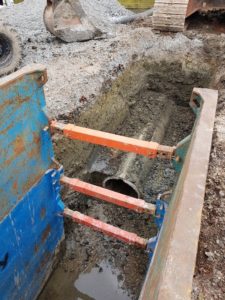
<point>81,70</point>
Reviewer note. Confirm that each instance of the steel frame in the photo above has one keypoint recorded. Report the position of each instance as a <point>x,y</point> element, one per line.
<point>97,225</point>
<point>172,268</point>
<point>138,205</point>
<point>149,149</point>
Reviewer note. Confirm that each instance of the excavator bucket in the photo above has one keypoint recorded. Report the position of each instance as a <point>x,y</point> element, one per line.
<point>170,15</point>
<point>204,6</point>
<point>82,20</point>
<point>67,20</point>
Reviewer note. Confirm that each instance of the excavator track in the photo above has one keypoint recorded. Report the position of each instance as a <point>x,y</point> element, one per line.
<point>169,15</point>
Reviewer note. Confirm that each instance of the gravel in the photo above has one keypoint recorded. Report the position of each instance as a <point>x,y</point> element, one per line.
<point>101,12</point>
<point>79,70</point>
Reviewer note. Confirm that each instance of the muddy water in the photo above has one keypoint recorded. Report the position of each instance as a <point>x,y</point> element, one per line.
<point>100,282</point>
<point>94,266</point>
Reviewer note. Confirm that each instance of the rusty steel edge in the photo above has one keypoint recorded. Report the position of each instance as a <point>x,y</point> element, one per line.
<point>204,6</point>
<point>31,69</point>
<point>171,271</point>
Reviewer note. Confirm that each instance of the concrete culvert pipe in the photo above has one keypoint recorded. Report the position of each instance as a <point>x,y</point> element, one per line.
<point>134,17</point>
<point>134,169</point>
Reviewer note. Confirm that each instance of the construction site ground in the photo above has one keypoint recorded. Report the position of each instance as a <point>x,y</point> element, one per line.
<point>89,78</point>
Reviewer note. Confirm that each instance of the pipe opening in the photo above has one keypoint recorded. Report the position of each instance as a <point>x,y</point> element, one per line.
<point>122,186</point>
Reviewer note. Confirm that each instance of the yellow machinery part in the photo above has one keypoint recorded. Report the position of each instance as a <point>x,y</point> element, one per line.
<point>137,4</point>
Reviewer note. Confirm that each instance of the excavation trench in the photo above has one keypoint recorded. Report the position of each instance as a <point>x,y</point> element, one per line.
<point>149,101</point>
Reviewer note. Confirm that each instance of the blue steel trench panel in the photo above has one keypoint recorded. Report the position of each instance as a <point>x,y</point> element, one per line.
<point>31,227</point>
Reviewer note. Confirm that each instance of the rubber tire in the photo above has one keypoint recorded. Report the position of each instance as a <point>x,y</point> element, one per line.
<point>11,48</point>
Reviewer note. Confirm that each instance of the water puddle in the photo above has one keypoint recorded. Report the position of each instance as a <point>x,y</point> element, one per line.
<point>99,283</point>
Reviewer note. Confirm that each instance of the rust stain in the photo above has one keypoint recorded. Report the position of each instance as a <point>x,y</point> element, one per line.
<point>4,131</point>
<point>43,213</point>
<point>36,143</point>
<point>21,100</point>
<point>18,145</point>
<point>45,234</point>
<point>19,76</point>
<point>33,152</point>
<point>6,103</point>
<point>36,138</point>
<point>43,78</point>
<point>15,186</point>
<point>14,101</point>
<point>8,161</point>
<point>4,207</point>
<point>36,248</point>
<point>45,259</point>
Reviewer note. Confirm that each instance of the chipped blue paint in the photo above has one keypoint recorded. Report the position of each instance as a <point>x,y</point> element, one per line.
<point>29,236</point>
<point>161,208</point>
<point>31,227</point>
<point>26,149</point>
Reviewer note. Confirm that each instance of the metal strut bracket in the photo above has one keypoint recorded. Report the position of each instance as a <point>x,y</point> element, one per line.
<point>161,208</point>
<point>137,205</point>
<point>149,149</point>
<point>120,234</point>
